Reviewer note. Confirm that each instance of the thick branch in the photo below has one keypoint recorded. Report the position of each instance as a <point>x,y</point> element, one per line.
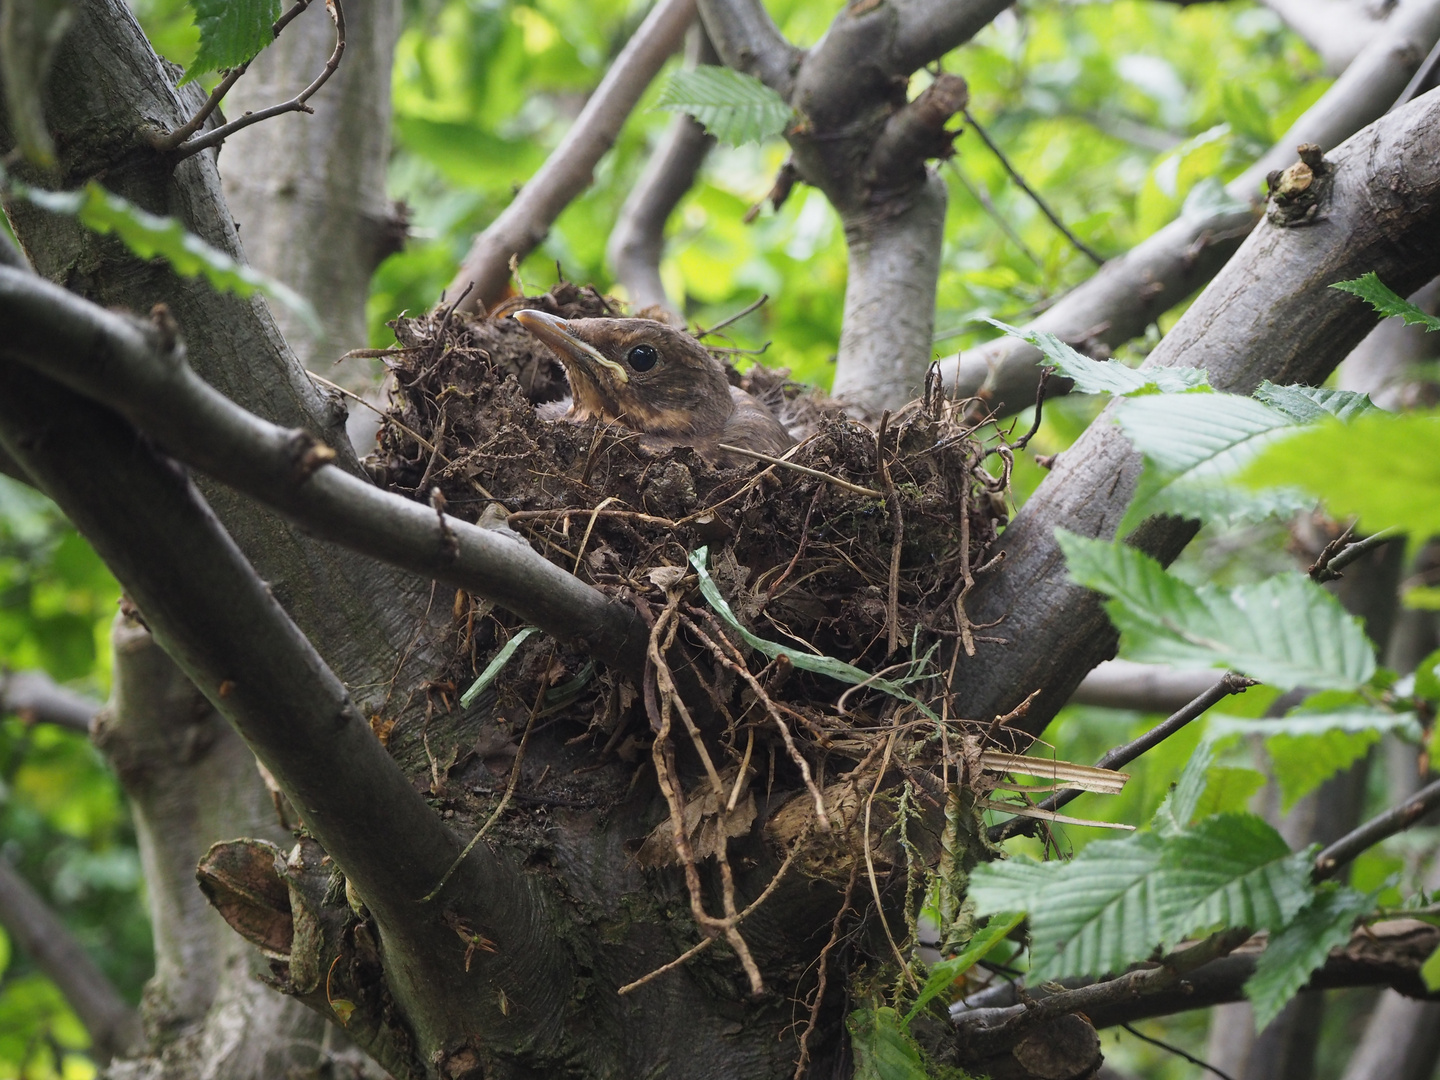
<point>748,40</point>
<point>523,224</point>
<point>109,358</point>
<point>112,1024</point>
<point>1336,29</point>
<point>37,698</point>
<point>228,633</point>
<point>637,241</point>
<point>1132,291</point>
<point>1270,314</point>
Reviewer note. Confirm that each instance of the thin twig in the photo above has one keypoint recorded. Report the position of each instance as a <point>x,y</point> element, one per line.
<point>1079,244</point>
<point>820,980</point>
<point>1177,1052</point>
<point>870,867</point>
<point>746,310</point>
<point>745,452</point>
<point>1024,440</point>
<point>1330,564</point>
<point>1396,819</point>
<point>171,140</point>
<point>981,196</point>
<point>1120,756</point>
<point>296,104</point>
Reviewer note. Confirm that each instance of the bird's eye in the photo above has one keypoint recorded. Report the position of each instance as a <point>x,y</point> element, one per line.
<point>643,357</point>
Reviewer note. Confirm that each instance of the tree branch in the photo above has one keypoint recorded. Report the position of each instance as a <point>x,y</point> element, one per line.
<point>1124,684</point>
<point>523,224</point>
<point>1336,29</point>
<point>38,699</point>
<point>1270,314</point>
<point>637,241</point>
<point>1397,819</point>
<point>748,40</point>
<point>109,358</point>
<point>1382,954</point>
<point>1133,290</point>
<point>113,1026</point>
<point>225,629</point>
<point>1120,756</point>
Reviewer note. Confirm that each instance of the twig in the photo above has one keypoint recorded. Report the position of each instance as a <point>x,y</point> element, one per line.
<point>981,196</point>
<point>1177,1052</point>
<point>1024,440</point>
<point>1396,819</point>
<point>173,139</point>
<point>856,488</point>
<point>1079,244</point>
<point>820,979</point>
<point>570,168</point>
<point>1120,756</point>
<point>295,104</point>
<point>1331,563</point>
<point>746,310</point>
<point>870,866</point>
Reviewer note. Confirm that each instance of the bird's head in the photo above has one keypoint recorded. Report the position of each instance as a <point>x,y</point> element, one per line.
<point>644,374</point>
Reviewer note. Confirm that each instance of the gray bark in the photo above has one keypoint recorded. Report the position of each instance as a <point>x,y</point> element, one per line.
<point>1270,314</point>
<point>308,191</point>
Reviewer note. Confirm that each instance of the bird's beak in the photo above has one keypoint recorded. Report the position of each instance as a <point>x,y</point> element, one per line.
<point>556,333</point>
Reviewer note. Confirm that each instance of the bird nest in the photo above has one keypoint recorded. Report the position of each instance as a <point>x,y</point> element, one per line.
<point>801,665</point>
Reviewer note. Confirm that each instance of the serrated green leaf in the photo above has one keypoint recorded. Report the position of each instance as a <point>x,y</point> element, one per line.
<point>1092,915</point>
<point>1177,809</point>
<point>1194,447</point>
<point>1229,790</point>
<point>1286,630</point>
<point>1293,954</point>
<point>943,974</point>
<point>150,236</point>
<point>1304,404</point>
<point>1386,301</point>
<point>1229,870</point>
<point>1105,376</point>
<point>734,107</point>
<point>231,32</point>
<point>1381,467</point>
<point>1307,748</point>
<point>883,1051</point>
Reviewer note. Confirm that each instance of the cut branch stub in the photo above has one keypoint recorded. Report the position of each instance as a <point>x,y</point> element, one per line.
<point>242,880</point>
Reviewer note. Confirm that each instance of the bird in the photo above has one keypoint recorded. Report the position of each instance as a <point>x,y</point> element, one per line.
<point>658,381</point>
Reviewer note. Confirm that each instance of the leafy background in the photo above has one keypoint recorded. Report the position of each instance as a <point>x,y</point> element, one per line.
<point>1117,112</point>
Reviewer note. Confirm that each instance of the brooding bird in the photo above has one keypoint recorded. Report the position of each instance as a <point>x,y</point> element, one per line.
<point>659,381</point>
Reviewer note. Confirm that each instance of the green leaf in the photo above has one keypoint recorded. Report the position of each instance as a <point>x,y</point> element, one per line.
<point>1304,404</point>
<point>231,32</point>
<point>1178,808</point>
<point>496,665</point>
<point>1105,376</point>
<point>944,973</point>
<point>1386,301</point>
<point>1092,915</point>
<point>1381,467</point>
<point>1194,446</point>
<point>149,236</point>
<point>1229,870</point>
<point>1286,630</point>
<point>1422,597</point>
<point>883,1051</point>
<point>734,107</point>
<point>1307,748</point>
<point>821,665</point>
<point>1294,953</point>
<point>1427,677</point>
<point>1429,971</point>
<point>30,31</point>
